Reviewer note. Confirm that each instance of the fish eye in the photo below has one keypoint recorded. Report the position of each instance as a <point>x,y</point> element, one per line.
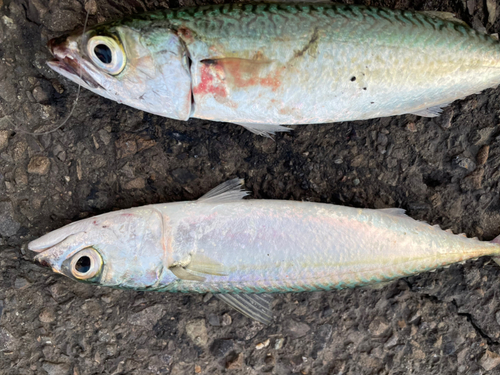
<point>107,54</point>
<point>86,264</point>
<point>103,53</point>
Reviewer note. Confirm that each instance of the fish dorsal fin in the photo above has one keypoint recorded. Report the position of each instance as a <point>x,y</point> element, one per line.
<point>228,191</point>
<point>394,211</point>
<point>255,306</point>
<point>445,16</point>
<point>431,111</point>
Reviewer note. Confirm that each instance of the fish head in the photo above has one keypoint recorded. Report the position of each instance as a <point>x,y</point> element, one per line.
<point>122,249</point>
<point>144,67</point>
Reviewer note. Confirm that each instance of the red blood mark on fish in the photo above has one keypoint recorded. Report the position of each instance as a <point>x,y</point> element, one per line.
<point>219,77</point>
<point>212,80</point>
<point>246,73</point>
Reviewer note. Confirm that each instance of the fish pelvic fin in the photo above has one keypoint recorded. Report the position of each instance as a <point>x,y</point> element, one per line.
<point>266,130</point>
<point>229,191</point>
<point>431,111</point>
<point>255,306</point>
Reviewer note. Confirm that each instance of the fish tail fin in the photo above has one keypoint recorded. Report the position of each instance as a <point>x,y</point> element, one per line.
<point>497,241</point>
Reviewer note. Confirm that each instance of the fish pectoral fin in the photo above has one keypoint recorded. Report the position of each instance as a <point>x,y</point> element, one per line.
<point>266,130</point>
<point>255,306</point>
<point>431,111</point>
<point>190,269</point>
<point>202,264</point>
<point>229,191</point>
<point>184,274</point>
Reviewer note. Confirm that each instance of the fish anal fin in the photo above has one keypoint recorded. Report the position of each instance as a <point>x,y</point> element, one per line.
<point>229,191</point>
<point>431,111</point>
<point>266,130</point>
<point>183,274</point>
<point>202,264</point>
<point>255,306</point>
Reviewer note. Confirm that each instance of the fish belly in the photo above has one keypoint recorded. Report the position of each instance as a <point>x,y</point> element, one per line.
<point>293,64</point>
<point>282,246</point>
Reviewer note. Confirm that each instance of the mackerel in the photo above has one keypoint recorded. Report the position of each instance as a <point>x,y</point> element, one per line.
<point>262,65</point>
<point>243,250</point>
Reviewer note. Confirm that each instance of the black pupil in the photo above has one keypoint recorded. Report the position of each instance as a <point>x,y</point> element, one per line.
<point>83,264</point>
<point>103,53</point>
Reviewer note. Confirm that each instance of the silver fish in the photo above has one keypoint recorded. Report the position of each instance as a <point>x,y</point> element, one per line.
<point>242,250</point>
<point>262,65</point>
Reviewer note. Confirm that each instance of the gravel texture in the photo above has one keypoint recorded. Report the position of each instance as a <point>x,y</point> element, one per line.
<point>108,156</point>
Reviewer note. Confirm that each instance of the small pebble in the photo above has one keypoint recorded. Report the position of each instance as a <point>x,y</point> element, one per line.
<point>39,165</point>
<point>221,347</point>
<point>446,118</point>
<point>47,316</point>
<point>411,127</point>
<point>207,297</point>
<point>482,155</point>
<point>4,139</point>
<point>214,320</point>
<point>137,183</point>
<point>235,362</point>
<point>40,95</point>
<point>262,345</point>
<point>489,360</point>
<point>491,5</point>
<point>497,317</point>
<point>279,343</point>
<point>21,283</point>
<point>296,329</point>
<point>56,368</point>
<point>196,330</point>
<point>465,163</point>
<point>226,320</point>
<point>382,139</point>
<point>58,87</point>
<point>91,7</point>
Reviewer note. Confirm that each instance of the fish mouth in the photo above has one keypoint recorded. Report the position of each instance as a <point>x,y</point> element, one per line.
<point>69,64</point>
<point>46,259</point>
